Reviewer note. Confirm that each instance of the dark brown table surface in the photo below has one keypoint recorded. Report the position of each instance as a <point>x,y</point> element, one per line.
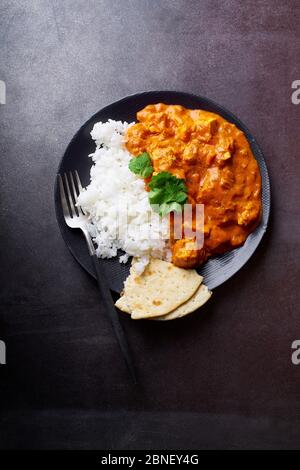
<point>220,379</point>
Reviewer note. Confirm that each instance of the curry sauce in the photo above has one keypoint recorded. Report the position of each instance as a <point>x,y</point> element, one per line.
<point>214,158</point>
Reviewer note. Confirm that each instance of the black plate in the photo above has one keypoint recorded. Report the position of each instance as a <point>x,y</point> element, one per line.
<point>216,270</point>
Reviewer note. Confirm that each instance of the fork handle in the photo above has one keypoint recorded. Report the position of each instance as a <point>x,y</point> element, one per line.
<point>114,317</point>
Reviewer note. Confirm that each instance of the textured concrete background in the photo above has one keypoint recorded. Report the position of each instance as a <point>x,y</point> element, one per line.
<point>221,379</point>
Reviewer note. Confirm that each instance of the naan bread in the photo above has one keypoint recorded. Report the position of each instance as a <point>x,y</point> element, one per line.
<point>122,304</point>
<point>159,290</point>
<point>201,296</point>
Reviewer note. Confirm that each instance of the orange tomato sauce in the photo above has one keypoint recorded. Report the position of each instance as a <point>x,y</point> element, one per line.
<point>215,159</point>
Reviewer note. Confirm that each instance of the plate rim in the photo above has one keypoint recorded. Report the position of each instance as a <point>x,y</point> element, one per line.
<point>251,139</point>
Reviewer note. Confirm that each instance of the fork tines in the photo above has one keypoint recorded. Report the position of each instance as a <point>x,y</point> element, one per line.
<point>70,187</point>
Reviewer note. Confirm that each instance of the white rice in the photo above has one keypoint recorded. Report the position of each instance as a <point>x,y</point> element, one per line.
<point>116,194</point>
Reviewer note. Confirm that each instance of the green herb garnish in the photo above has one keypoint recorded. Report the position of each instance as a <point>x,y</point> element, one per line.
<point>167,193</point>
<point>141,165</point>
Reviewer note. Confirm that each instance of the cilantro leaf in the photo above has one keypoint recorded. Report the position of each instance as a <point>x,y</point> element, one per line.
<point>167,193</point>
<point>141,165</point>
<point>165,208</point>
